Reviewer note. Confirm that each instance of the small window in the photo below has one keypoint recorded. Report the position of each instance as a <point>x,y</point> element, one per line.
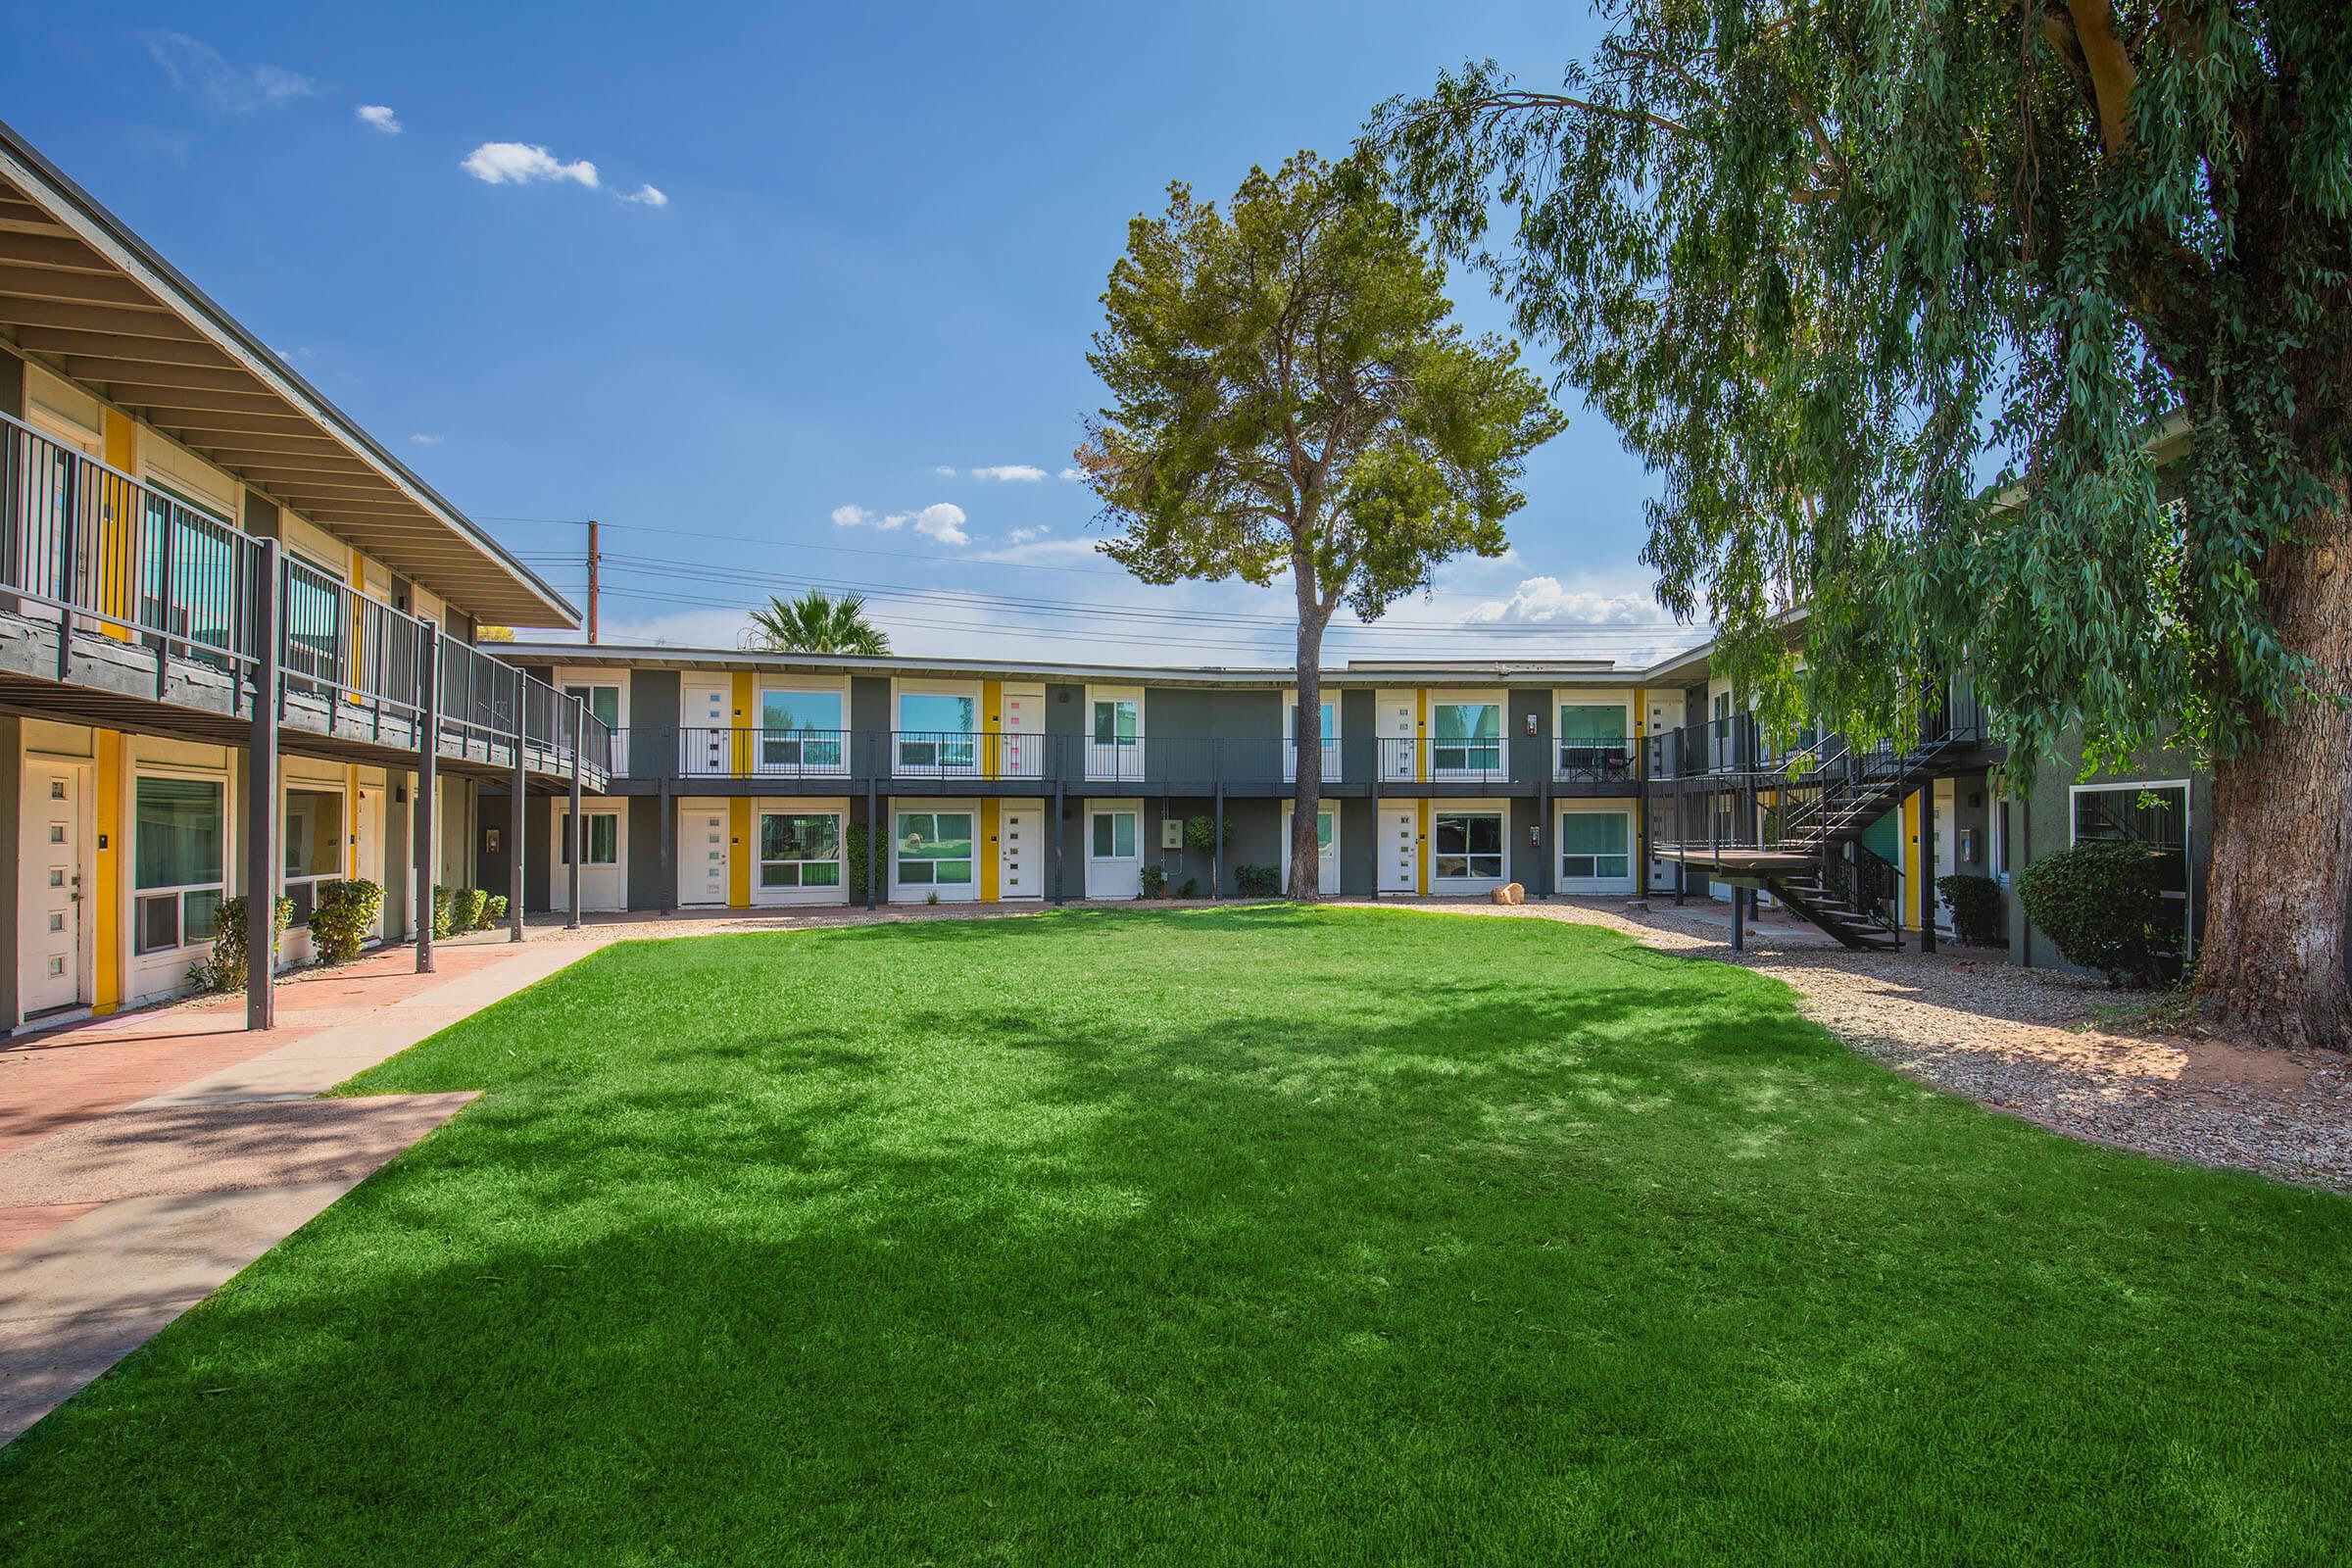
<point>1114,835</point>
<point>602,833</point>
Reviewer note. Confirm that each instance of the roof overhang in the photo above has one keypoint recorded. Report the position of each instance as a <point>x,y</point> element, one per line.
<point>79,290</point>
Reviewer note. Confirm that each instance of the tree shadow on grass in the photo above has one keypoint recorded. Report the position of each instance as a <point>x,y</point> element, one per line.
<point>1445,1255</point>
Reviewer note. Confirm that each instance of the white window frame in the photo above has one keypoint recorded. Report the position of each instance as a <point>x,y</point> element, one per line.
<point>590,814</point>
<point>800,765</point>
<point>616,681</point>
<point>1624,882</point>
<point>178,894</point>
<point>1115,758</point>
<point>838,892</point>
<point>1571,697</point>
<point>287,884</point>
<point>1471,769</point>
<point>1290,737</point>
<point>1472,881</point>
<point>2188,841</point>
<point>903,891</point>
<point>945,761</point>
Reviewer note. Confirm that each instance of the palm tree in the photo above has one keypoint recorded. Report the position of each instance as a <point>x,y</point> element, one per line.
<point>816,623</point>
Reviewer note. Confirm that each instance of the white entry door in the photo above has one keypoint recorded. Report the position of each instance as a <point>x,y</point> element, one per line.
<point>705,727</point>
<point>1021,850</point>
<point>49,889</point>
<point>1399,849</point>
<point>1114,850</point>
<point>702,853</point>
<point>1022,723</point>
<point>1665,716</point>
<point>368,854</point>
<point>1327,843</point>
<point>1945,798</point>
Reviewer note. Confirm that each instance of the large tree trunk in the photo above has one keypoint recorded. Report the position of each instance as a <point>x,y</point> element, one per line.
<point>2271,959</point>
<point>1307,736</point>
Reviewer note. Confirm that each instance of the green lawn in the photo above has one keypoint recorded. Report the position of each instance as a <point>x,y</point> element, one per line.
<point>1255,1235</point>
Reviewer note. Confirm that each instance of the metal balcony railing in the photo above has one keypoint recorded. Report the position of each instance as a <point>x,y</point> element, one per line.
<point>1331,762</point>
<point>99,554</point>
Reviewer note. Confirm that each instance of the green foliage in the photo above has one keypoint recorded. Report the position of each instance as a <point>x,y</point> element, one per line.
<point>345,919</point>
<point>816,623</point>
<point>495,913</point>
<point>1156,881</point>
<point>467,909</point>
<point>225,968</point>
<point>1257,881</point>
<point>1828,266</point>
<point>1201,833</point>
<point>1289,394</point>
<point>445,909</point>
<point>2102,904</point>
<point>1331,1236</point>
<point>1976,905</point>
<point>854,846</point>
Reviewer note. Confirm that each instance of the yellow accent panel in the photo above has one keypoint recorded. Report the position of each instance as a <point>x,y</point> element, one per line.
<point>351,826</point>
<point>985,848</point>
<point>1912,883</point>
<point>1428,846</point>
<point>118,523</point>
<point>992,720</point>
<point>1421,759</point>
<point>741,747</point>
<point>1640,713</point>
<point>741,851</point>
<point>105,988</point>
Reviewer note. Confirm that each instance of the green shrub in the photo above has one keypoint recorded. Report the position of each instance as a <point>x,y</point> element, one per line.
<point>471,907</point>
<point>345,919</point>
<point>445,909</point>
<point>1201,833</point>
<point>1156,881</point>
<point>1257,881</point>
<point>853,849</point>
<point>1976,904</point>
<point>2102,905</point>
<point>225,968</point>
<point>495,913</point>
<point>1190,888</point>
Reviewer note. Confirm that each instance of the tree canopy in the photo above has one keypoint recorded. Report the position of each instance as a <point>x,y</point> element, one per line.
<point>816,623</point>
<point>1290,395</point>
<point>2013,333</point>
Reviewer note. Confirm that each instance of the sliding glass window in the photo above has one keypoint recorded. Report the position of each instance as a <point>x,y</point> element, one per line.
<point>935,849</point>
<point>800,849</point>
<point>1466,737</point>
<point>801,731</point>
<point>178,852</point>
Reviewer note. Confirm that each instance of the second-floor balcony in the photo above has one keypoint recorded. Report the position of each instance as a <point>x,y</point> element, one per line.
<point>124,604</point>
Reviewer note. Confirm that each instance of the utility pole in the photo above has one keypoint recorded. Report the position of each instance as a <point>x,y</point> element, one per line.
<point>596,559</point>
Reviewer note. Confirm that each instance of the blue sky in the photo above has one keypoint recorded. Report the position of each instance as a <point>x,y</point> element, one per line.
<point>746,282</point>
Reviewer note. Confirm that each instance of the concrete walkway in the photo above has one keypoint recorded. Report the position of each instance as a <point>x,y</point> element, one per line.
<point>146,1159</point>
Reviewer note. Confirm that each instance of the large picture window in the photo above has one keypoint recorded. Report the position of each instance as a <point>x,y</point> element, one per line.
<point>801,731</point>
<point>1469,845</point>
<point>178,852</point>
<point>1592,845</point>
<point>935,732</point>
<point>314,846</point>
<point>602,830</point>
<point>800,849</point>
<point>2155,815</point>
<point>935,849</point>
<point>1593,739</point>
<point>1466,737</point>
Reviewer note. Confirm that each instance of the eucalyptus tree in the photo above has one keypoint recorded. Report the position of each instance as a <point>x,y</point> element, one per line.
<point>2007,332</point>
<point>1290,396</point>
<point>816,623</point>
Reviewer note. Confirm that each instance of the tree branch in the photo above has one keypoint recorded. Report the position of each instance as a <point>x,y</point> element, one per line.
<point>1508,101</point>
<point>2112,73</point>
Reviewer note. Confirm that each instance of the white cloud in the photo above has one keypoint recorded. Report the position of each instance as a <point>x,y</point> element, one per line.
<point>1069,475</point>
<point>423,440</point>
<point>942,523</point>
<point>1018,472</point>
<point>198,70</point>
<point>647,196</point>
<point>517,163</point>
<point>944,473</point>
<point>1040,552</point>
<point>380,117</point>
<point>941,520</point>
<point>1538,601</point>
<point>1022,536</point>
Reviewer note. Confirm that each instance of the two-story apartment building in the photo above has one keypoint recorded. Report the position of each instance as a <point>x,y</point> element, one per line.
<point>237,636</point>
<point>741,779</point>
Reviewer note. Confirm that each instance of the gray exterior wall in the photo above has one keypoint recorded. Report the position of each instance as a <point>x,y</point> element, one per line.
<point>652,724</point>
<point>649,888</point>
<point>2042,822</point>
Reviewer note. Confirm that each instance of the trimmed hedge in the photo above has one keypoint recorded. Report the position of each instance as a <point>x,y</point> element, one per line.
<point>225,968</point>
<point>344,918</point>
<point>1257,881</point>
<point>2102,905</point>
<point>1976,904</point>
